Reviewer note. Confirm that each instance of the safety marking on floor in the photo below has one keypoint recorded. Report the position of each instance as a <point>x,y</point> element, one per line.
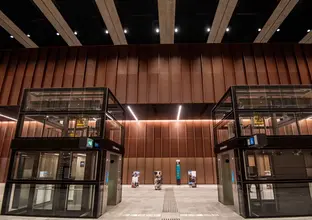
<point>170,203</point>
<point>199,215</point>
<point>141,215</point>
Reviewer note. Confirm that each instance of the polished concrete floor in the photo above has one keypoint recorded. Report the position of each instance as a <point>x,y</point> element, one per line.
<point>172,202</point>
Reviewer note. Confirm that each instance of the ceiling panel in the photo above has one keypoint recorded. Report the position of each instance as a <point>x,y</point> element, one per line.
<point>84,17</point>
<point>295,26</point>
<point>140,18</point>
<point>26,15</point>
<point>192,20</point>
<point>248,17</point>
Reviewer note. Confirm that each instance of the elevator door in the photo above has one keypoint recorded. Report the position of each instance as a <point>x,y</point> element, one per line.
<point>227,180</point>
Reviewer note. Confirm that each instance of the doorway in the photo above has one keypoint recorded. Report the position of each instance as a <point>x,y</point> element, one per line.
<point>114,180</point>
<point>227,180</point>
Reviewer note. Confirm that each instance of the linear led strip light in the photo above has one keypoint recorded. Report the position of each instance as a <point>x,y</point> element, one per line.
<point>4,116</point>
<point>179,112</point>
<point>132,113</point>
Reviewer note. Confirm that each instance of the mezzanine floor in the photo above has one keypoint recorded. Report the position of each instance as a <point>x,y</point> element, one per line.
<point>172,203</point>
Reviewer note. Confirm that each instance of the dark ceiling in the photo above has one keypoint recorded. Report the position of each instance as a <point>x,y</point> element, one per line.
<point>140,17</point>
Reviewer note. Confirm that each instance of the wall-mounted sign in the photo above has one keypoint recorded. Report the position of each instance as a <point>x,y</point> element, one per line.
<point>89,143</point>
<point>258,140</point>
<point>258,121</point>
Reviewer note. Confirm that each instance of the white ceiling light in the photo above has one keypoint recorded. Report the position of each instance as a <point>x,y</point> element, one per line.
<point>57,33</point>
<point>176,30</point>
<point>227,29</point>
<point>308,30</point>
<point>179,112</point>
<point>132,113</point>
<point>259,29</point>
<point>28,35</point>
<point>278,30</point>
<point>4,116</point>
<point>75,32</point>
<point>208,29</point>
<point>125,31</point>
<point>11,36</point>
<point>157,30</point>
<point>106,31</point>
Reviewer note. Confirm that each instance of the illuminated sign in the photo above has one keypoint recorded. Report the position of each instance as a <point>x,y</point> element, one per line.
<point>89,143</point>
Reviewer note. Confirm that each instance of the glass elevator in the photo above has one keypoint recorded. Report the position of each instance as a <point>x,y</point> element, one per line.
<point>67,154</point>
<point>263,143</point>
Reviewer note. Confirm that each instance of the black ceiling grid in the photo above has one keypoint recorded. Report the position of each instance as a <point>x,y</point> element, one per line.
<point>30,20</point>
<point>248,17</point>
<point>193,19</point>
<point>84,17</point>
<point>295,26</point>
<point>140,18</point>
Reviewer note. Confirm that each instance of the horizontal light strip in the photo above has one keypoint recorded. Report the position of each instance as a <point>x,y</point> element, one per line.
<point>4,116</point>
<point>166,121</point>
<point>179,113</point>
<point>132,113</point>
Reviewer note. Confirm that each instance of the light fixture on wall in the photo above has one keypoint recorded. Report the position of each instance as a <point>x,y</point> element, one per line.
<point>7,117</point>
<point>179,112</point>
<point>132,113</point>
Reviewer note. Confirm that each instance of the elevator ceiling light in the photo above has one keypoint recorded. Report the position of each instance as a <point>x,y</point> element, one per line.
<point>110,117</point>
<point>125,31</point>
<point>259,29</point>
<point>208,29</point>
<point>308,30</point>
<point>227,29</point>
<point>179,112</point>
<point>57,33</point>
<point>132,113</point>
<point>28,35</point>
<point>157,30</point>
<point>176,30</point>
<point>106,31</point>
<point>11,36</point>
<point>75,32</point>
<point>278,30</point>
<point>4,116</point>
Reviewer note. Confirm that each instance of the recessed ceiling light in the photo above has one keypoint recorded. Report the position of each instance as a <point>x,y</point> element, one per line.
<point>125,31</point>
<point>28,35</point>
<point>176,30</point>
<point>57,33</point>
<point>227,29</point>
<point>11,36</point>
<point>106,31</point>
<point>75,32</point>
<point>308,30</point>
<point>278,30</point>
<point>208,29</point>
<point>259,29</point>
<point>157,30</point>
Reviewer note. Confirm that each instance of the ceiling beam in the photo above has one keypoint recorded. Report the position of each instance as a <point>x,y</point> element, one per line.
<point>111,19</point>
<point>307,39</point>
<point>280,13</point>
<point>50,11</point>
<point>221,20</point>
<point>15,31</point>
<point>166,17</point>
